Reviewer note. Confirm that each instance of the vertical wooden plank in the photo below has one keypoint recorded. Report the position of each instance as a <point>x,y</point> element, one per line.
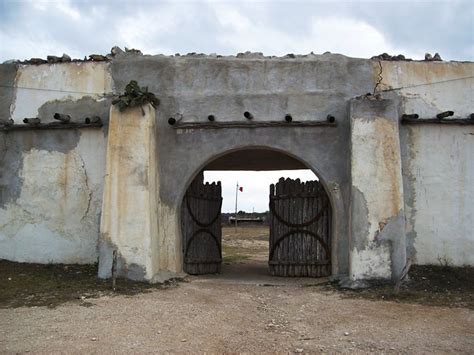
<point>271,227</point>
<point>298,219</point>
<point>204,201</point>
<point>306,241</point>
<point>314,245</point>
<point>289,248</point>
<point>297,203</point>
<point>281,211</point>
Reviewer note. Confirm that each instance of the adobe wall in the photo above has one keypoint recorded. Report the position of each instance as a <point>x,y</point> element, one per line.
<point>438,160</point>
<point>51,182</point>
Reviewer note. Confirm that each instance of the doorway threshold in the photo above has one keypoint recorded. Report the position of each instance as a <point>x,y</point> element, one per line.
<point>255,272</point>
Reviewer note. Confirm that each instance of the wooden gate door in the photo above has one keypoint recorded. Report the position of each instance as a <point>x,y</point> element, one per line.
<point>201,228</point>
<point>300,229</point>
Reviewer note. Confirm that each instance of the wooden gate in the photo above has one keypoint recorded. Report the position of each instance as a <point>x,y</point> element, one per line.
<point>201,227</point>
<point>300,229</point>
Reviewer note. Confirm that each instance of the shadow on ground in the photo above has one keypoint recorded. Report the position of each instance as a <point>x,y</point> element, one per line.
<point>29,285</point>
<point>245,255</point>
<point>434,285</point>
<point>50,285</point>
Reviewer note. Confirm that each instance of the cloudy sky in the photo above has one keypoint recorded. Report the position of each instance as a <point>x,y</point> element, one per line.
<point>354,28</point>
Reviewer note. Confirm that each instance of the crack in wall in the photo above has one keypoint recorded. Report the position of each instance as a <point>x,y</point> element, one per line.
<point>89,199</point>
<point>379,77</point>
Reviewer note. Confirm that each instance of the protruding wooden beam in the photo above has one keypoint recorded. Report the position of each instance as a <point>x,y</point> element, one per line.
<point>252,124</point>
<point>52,125</point>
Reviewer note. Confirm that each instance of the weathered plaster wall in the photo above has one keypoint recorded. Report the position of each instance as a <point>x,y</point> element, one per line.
<point>7,93</point>
<point>441,163</point>
<point>438,160</point>
<point>51,193</point>
<point>377,248</point>
<point>130,206</point>
<point>51,181</point>
<point>61,86</point>
<point>193,87</point>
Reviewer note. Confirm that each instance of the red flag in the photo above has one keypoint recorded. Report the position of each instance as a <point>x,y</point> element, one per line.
<point>241,189</point>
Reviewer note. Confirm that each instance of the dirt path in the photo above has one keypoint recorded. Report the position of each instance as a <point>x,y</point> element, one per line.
<point>212,316</point>
<point>241,310</point>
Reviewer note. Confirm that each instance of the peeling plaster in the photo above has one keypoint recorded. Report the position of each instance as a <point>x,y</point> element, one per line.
<point>436,189</point>
<point>78,109</point>
<point>53,202</point>
<point>39,84</point>
<point>373,262</point>
<point>377,218</point>
<point>409,179</point>
<point>8,73</point>
<point>14,147</point>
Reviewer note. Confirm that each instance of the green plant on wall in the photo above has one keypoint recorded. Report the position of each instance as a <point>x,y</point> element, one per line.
<point>135,96</point>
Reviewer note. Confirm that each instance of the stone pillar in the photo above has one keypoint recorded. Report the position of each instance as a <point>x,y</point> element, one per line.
<point>130,205</point>
<point>377,221</point>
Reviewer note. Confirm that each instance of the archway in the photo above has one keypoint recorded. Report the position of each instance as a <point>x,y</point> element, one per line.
<point>299,216</point>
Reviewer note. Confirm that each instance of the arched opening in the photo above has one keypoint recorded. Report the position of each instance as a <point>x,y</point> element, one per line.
<point>297,218</point>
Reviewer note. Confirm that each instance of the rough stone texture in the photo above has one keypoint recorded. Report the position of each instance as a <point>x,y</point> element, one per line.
<point>130,205</point>
<point>50,195</point>
<point>377,248</point>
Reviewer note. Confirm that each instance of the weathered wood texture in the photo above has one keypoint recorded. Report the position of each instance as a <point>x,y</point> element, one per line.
<point>445,121</point>
<point>201,228</point>
<point>300,229</point>
<point>252,124</point>
<point>51,125</point>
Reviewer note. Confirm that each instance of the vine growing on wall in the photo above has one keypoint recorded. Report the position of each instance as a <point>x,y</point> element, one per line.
<point>135,96</point>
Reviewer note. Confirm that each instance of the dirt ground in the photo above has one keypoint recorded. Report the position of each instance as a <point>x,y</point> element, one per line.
<point>52,308</point>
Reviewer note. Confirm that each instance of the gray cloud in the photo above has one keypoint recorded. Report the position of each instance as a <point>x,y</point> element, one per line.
<point>79,28</point>
<point>363,29</point>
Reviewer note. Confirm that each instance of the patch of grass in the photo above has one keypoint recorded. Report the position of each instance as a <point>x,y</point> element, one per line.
<point>248,232</point>
<point>437,285</point>
<point>233,254</point>
<point>50,285</point>
<point>231,259</point>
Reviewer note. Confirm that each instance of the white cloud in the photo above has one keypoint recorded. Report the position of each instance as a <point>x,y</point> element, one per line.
<point>65,7</point>
<point>38,28</point>
<point>145,28</point>
<point>343,35</point>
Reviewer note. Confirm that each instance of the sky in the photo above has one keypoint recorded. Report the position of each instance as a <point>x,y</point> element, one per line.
<point>354,28</point>
<point>255,186</point>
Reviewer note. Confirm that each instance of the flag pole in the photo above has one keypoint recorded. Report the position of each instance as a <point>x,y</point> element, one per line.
<point>236,194</point>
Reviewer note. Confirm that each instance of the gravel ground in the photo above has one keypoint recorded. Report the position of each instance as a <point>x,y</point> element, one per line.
<point>241,310</point>
<point>208,315</point>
